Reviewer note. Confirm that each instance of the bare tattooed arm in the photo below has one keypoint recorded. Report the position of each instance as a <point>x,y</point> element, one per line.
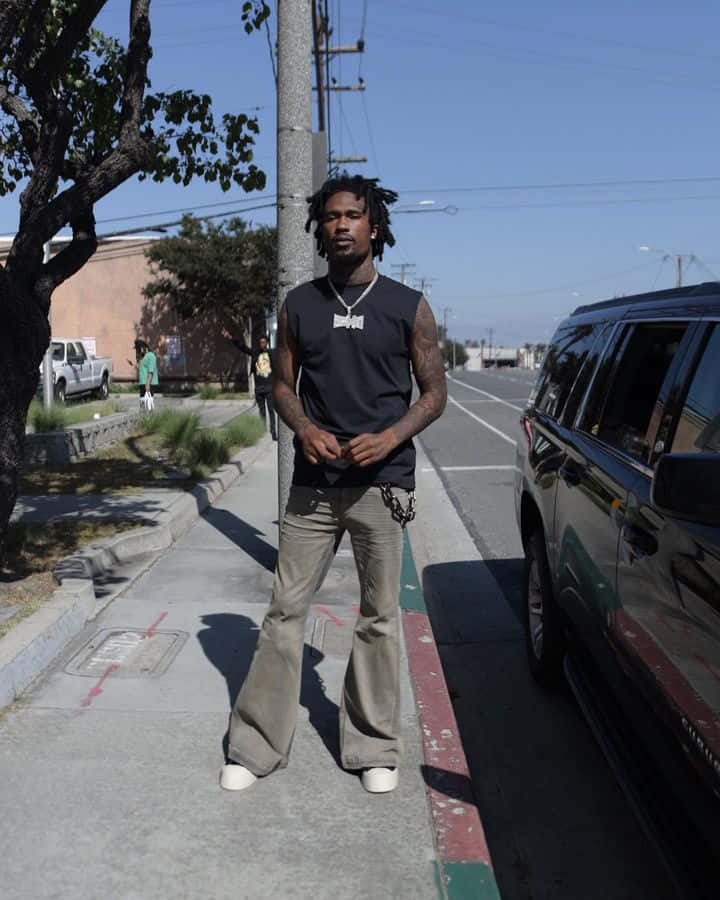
<point>317,444</point>
<point>427,364</point>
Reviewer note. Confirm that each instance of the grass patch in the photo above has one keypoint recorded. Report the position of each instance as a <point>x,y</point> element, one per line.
<point>31,552</point>
<point>51,419</point>
<point>141,460</point>
<point>168,449</point>
<point>176,427</point>
<point>207,392</point>
<point>208,451</point>
<point>244,431</point>
<point>57,416</point>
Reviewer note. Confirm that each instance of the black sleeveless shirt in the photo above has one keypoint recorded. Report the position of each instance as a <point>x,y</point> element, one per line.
<point>354,379</point>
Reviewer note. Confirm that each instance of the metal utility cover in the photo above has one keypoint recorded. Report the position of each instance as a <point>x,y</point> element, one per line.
<point>127,653</point>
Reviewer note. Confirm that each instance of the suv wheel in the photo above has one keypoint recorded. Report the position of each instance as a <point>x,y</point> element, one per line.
<point>543,633</point>
<point>60,392</point>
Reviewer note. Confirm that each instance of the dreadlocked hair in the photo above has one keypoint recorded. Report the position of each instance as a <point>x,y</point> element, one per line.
<point>377,200</point>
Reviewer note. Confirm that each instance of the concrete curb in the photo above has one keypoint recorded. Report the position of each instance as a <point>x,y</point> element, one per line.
<point>463,869</point>
<point>32,645</point>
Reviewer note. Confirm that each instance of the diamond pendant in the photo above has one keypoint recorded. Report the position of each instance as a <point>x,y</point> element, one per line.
<point>348,321</point>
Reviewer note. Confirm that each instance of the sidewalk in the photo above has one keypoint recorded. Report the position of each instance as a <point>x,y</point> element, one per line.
<point>110,763</point>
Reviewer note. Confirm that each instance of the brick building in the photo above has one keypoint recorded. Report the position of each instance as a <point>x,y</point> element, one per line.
<point>103,303</point>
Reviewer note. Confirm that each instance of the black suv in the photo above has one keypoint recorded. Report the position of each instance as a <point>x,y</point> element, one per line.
<point>617,495</point>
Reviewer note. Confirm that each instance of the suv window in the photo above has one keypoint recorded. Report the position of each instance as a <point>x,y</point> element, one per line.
<point>565,356</point>
<point>698,429</point>
<point>58,351</point>
<point>621,408</point>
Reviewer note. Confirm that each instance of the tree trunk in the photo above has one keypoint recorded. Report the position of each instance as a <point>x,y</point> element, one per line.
<point>22,346</point>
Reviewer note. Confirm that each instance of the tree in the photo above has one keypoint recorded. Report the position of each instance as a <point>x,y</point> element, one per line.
<point>460,356</point>
<point>214,275</point>
<point>77,120</point>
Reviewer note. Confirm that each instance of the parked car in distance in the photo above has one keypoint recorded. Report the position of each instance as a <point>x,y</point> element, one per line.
<point>75,371</point>
<point>617,494</point>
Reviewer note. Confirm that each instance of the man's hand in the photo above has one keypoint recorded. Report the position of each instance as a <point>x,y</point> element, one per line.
<point>226,334</point>
<point>318,444</point>
<point>366,449</point>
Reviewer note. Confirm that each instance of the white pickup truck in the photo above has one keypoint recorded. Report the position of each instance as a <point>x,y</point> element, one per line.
<point>75,371</point>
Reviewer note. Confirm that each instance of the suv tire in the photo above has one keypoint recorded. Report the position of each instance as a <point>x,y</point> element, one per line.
<point>544,639</point>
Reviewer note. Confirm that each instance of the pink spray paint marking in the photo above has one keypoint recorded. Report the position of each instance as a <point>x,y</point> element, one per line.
<point>97,690</point>
<point>330,616</point>
<point>153,628</point>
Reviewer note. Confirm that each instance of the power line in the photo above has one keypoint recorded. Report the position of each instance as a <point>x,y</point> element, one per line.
<point>162,225</point>
<point>566,34</point>
<point>169,212</point>
<point>552,290</point>
<point>562,185</point>
<point>570,203</point>
<point>539,57</point>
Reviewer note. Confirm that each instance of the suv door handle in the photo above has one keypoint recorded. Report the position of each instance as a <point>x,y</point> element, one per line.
<point>570,474</point>
<point>642,542</point>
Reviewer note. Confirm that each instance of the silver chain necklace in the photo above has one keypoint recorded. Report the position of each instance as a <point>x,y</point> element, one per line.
<point>349,320</point>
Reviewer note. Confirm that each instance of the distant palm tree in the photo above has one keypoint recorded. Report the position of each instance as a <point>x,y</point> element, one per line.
<point>482,353</point>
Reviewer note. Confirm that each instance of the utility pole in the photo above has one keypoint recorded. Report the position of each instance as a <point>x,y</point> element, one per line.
<point>490,335</point>
<point>678,263</point>
<point>324,84</point>
<point>404,268</point>
<point>294,177</point>
<point>423,285</point>
<point>678,257</point>
<point>48,388</point>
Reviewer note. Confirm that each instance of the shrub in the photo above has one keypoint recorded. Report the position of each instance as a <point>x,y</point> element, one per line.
<point>244,431</point>
<point>207,392</point>
<point>52,419</point>
<point>176,427</point>
<point>209,449</point>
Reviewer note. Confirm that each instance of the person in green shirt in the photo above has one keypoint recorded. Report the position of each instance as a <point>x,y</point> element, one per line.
<point>147,368</point>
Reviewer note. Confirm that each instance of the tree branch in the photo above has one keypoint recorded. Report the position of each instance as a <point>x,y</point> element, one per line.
<point>72,257</point>
<point>15,107</point>
<point>54,59</point>
<point>138,57</point>
<point>28,44</point>
<point>10,13</point>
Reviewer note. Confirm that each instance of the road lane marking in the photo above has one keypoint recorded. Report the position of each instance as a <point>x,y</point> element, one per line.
<point>487,394</point>
<point>492,428</point>
<point>471,468</point>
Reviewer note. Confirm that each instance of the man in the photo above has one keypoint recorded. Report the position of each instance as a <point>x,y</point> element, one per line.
<point>261,366</point>
<point>147,373</point>
<point>355,335</point>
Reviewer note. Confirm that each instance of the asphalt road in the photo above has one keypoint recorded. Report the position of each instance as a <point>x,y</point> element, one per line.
<point>557,823</point>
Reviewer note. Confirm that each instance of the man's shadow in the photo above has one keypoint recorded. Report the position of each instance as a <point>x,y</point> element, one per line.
<point>244,535</point>
<point>229,641</point>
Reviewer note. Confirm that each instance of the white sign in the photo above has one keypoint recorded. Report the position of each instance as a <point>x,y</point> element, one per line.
<point>90,346</point>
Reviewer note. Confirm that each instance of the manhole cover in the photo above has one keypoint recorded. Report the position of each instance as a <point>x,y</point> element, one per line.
<point>127,653</point>
<point>332,637</point>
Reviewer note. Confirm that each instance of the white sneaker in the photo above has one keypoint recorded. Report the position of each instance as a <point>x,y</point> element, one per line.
<point>236,778</point>
<point>380,780</point>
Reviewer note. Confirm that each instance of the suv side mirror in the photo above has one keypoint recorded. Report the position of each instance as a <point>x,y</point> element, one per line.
<point>687,486</point>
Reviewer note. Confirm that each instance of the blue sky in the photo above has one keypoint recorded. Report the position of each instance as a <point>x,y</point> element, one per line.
<point>488,108</point>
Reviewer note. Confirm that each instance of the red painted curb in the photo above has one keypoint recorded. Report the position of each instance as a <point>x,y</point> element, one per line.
<point>459,833</point>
